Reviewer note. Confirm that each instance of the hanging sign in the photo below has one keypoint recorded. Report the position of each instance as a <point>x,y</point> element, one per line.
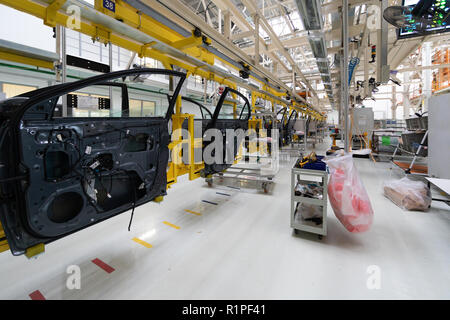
<point>110,5</point>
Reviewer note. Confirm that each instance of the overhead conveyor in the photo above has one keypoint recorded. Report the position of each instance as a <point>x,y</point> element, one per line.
<point>13,51</point>
<point>132,29</point>
<point>142,28</point>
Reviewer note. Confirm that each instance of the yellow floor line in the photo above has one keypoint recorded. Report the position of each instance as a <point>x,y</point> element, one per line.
<point>171,225</point>
<point>145,244</point>
<point>193,212</point>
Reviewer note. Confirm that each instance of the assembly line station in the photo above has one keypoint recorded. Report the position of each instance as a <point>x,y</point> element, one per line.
<point>105,107</point>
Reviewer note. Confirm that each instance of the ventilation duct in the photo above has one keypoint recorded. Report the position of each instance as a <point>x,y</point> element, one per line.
<point>318,47</point>
<point>310,13</point>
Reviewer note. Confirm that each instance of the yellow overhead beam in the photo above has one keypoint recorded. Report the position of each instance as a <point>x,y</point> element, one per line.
<point>134,18</point>
<point>129,15</point>
<point>104,35</point>
<point>3,242</point>
<point>192,45</point>
<point>26,60</point>
<point>51,12</point>
<point>186,43</point>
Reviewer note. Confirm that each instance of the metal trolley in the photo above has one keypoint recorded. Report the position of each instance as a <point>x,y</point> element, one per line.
<point>305,176</point>
<point>243,177</point>
<point>257,174</point>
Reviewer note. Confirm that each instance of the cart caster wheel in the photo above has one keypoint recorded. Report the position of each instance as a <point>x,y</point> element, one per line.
<point>265,189</point>
<point>320,237</point>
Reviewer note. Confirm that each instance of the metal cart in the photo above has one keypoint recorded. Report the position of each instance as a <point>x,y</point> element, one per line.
<point>237,177</point>
<point>305,176</point>
<point>251,175</point>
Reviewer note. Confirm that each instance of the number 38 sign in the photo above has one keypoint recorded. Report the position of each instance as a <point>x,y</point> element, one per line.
<point>110,5</point>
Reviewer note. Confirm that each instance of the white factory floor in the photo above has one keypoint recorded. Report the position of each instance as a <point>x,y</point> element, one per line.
<point>242,247</point>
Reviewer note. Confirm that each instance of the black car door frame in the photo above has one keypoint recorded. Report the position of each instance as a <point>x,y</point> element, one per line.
<point>15,212</point>
<point>223,124</point>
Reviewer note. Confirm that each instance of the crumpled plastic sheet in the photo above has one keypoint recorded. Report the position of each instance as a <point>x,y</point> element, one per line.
<point>408,194</point>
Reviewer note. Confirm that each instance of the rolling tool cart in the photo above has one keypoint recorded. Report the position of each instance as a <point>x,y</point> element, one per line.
<point>309,187</point>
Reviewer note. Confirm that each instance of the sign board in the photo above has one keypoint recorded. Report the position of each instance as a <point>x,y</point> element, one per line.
<point>87,103</point>
<point>438,13</point>
<point>110,5</point>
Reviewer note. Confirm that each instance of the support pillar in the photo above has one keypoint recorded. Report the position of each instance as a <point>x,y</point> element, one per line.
<point>426,74</point>
<point>406,102</point>
<point>394,103</point>
<point>256,38</point>
<point>275,67</point>
<point>227,24</point>
<point>344,70</point>
<point>63,66</point>
<point>219,18</point>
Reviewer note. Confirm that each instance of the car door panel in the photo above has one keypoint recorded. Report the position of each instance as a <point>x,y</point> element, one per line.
<point>223,124</point>
<point>77,171</point>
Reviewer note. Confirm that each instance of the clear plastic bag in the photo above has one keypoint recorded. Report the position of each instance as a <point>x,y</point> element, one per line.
<point>408,194</point>
<point>308,212</point>
<point>347,195</point>
<point>309,190</point>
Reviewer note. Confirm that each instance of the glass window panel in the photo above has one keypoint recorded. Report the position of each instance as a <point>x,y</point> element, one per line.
<point>234,107</point>
<point>135,108</point>
<point>148,108</point>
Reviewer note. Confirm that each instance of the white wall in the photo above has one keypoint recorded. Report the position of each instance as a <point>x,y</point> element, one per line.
<point>381,108</point>
<point>25,29</point>
<point>333,117</point>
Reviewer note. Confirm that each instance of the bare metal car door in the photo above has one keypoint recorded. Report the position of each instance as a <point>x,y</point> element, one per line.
<point>61,175</point>
<point>233,118</point>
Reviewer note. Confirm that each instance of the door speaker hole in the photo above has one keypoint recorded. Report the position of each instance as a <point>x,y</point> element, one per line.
<point>65,207</point>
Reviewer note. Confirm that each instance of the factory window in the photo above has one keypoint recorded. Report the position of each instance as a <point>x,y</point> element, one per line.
<point>193,107</point>
<point>148,108</point>
<point>234,107</point>
<point>130,97</point>
<point>94,101</point>
<point>135,108</point>
<point>140,108</point>
<point>151,63</point>
<point>12,90</point>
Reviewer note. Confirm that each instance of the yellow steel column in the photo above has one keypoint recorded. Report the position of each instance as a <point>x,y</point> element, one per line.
<point>3,242</point>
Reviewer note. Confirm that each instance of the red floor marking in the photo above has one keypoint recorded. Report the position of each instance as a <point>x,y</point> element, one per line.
<point>103,265</point>
<point>36,295</point>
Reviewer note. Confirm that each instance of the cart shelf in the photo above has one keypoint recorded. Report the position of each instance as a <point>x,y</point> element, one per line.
<point>306,176</point>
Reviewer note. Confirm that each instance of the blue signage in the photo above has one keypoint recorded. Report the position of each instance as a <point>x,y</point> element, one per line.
<point>110,5</point>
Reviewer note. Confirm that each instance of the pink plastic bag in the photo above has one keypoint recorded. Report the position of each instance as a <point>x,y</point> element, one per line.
<point>347,195</point>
